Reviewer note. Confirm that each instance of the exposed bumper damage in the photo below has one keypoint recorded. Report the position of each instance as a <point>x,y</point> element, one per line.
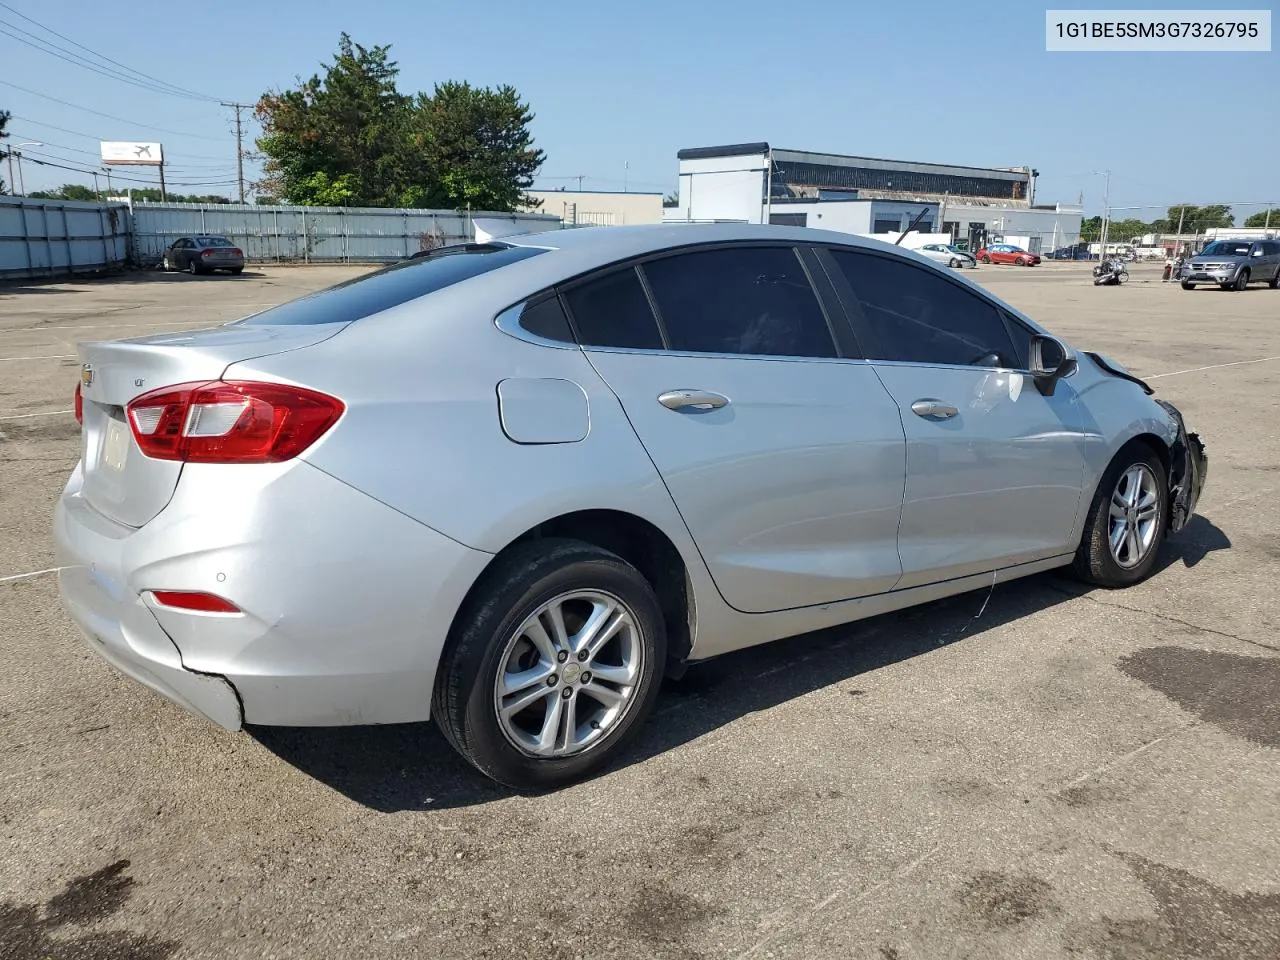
<point>1188,462</point>
<point>1188,465</point>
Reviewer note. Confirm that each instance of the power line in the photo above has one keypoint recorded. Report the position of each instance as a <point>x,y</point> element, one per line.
<point>37,43</point>
<point>145,126</point>
<point>90,136</point>
<point>179,183</point>
<point>100,56</point>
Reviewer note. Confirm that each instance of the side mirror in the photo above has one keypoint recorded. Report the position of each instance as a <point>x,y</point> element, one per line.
<point>1050,362</point>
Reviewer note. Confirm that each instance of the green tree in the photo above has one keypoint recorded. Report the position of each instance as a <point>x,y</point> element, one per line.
<point>349,125</point>
<point>477,147</point>
<point>1195,219</point>
<point>77,191</point>
<point>351,137</point>
<point>1090,229</point>
<point>1261,219</point>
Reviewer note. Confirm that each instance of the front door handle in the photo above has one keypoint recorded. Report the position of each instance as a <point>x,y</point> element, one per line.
<point>933,409</point>
<point>698,399</point>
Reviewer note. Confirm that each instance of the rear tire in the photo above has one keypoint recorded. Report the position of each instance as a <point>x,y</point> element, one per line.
<point>236,271</point>
<point>1274,282</point>
<point>986,260</point>
<point>1127,521</point>
<point>193,268</point>
<point>505,634</point>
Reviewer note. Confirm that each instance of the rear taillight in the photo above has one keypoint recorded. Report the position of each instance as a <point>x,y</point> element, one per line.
<point>194,600</point>
<point>79,405</point>
<point>230,422</point>
<point>207,253</point>
<point>237,252</point>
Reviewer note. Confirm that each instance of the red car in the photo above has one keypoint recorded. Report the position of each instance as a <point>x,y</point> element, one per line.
<point>1008,253</point>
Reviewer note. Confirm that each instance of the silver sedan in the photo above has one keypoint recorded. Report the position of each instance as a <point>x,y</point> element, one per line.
<point>951,256</point>
<point>509,486</point>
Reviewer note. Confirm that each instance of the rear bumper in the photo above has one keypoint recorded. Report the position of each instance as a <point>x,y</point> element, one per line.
<point>346,603</point>
<point>127,636</point>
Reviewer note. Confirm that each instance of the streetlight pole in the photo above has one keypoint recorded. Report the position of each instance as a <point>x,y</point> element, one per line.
<point>1106,213</point>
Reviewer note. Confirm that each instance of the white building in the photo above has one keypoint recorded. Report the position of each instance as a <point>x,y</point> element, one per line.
<point>757,183</point>
<point>598,208</point>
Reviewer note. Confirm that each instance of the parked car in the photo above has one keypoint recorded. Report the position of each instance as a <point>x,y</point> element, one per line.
<point>1008,253</point>
<point>202,254</point>
<point>1234,264</point>
<point>945,253</point>
<point>509,488</point>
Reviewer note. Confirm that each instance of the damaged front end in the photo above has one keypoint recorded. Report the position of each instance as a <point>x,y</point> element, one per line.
<point>1188,464</point>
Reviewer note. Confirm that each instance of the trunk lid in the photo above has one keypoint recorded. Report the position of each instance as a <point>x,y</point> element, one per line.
<point>120,482</point>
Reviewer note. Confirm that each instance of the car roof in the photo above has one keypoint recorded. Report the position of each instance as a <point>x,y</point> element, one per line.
<point>615,243</point>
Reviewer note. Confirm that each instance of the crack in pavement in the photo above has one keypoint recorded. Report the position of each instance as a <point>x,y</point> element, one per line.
<point>1164,616</point>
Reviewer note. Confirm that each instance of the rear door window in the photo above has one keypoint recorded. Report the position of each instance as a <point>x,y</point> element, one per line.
<point>755,301</point>
<point>391,286</point>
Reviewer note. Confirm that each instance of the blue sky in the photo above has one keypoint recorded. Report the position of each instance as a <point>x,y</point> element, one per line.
<point>617,86</point>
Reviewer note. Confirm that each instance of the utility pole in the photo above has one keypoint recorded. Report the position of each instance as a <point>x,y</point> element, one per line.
<point>9,154</point>
<point>164,193</point>
<point>97,194</point>
<point>237,107</point>
<point>581,177</point>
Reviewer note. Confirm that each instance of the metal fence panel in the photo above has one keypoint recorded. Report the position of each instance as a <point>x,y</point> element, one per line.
<point>51,237</point>
<point>308,234</point>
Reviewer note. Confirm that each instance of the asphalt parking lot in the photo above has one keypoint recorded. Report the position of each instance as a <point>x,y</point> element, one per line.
<point>1045,772</point>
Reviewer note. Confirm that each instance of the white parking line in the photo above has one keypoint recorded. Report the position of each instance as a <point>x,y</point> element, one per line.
<point>1212,366</point>
<point>58,356</point>
<point>26,416</point>
<point>28,576</point>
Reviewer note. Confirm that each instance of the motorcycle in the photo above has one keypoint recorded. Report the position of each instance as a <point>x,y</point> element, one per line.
<point>1110,272</point>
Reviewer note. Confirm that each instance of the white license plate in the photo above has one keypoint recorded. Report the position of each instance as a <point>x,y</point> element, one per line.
<point>115,447</point>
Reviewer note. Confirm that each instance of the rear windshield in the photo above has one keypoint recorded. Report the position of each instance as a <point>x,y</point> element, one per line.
<point>214,242</point>
<point>391,286</point>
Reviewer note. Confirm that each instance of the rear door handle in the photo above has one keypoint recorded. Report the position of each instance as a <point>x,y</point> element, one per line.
<point>933,409</point>
<point>698,399</point>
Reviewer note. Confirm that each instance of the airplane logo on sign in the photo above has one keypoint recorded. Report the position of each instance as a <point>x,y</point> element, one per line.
<point>142,149</point>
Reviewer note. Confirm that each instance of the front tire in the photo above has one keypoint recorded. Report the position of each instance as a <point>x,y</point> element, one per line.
<point>1127,521</point>
<point>1188,286</point>
<point>552,666</point>
<point>953,263</point>
<point>986,260</point>
<point>1242,280</point>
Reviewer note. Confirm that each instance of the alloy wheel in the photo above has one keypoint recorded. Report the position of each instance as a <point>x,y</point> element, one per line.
<point>1135,518</point>
<point>569,674</point>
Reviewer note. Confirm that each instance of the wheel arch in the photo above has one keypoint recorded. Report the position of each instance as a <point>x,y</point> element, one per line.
<point>638,541</point>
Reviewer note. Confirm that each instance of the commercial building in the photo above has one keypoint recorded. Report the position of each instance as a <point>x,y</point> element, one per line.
<point>598,208</point>
<point>757,183</point>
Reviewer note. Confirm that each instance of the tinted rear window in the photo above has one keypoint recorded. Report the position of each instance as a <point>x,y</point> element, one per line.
<point>391,286</point>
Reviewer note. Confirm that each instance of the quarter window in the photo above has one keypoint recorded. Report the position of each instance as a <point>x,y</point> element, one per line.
<point>545,318</point>
<point>613,311</point>
<point>749,300</point>
<point>917,316</point>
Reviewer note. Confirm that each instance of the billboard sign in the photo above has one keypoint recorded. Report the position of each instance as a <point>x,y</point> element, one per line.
<point>132,153</point>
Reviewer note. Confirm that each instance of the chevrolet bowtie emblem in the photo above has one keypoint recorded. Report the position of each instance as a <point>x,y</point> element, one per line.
<point>86,375</point>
